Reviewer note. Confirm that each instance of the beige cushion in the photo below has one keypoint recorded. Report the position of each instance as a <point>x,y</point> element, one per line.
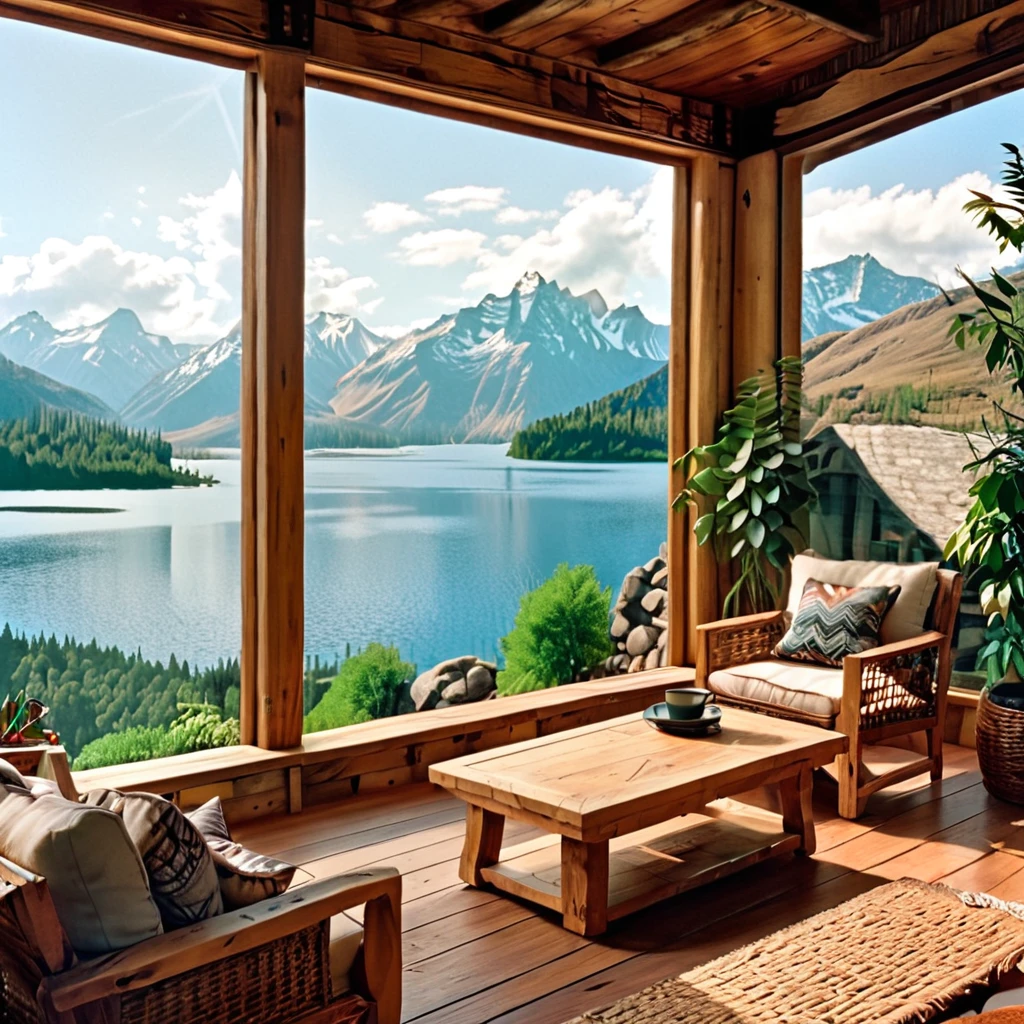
<point>94,872</point>
<point>179,864</point>
<point>11,776</point>
<point>811,689</point>
<point>905,619</point>
<point>245,877</point>
<point>346,938</point>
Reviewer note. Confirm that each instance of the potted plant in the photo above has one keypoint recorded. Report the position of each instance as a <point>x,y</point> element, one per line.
<point>989,545</point>
<point>753,484</point>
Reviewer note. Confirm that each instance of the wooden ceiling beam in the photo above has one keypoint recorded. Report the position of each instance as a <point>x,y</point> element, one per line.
<point>687,28</point>
<point>860,20</point>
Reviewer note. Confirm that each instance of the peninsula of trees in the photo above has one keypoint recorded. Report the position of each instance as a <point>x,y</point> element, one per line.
<point>51,450</point>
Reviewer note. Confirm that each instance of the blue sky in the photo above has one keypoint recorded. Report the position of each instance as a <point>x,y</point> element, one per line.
<point>120,187</point>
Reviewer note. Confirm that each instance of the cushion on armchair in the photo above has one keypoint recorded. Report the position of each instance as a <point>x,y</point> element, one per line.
<point>815,691</point>
<point>908,615</point>
<point>346,939</point>
<point>92,868</point>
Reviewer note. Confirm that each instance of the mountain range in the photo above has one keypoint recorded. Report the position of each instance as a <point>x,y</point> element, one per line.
<point>23,390</point>
<point>480,374</point>
<point>111,359</point>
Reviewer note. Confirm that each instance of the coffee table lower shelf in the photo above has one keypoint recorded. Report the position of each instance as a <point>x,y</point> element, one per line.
<point>647,866</point>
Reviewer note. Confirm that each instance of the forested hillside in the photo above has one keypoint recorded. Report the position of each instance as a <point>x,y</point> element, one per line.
<point>92,691</point>
<point>629,425</point>
<point>64,451</point>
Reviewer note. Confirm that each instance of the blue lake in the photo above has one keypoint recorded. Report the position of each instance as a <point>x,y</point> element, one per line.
<point>426,548</point>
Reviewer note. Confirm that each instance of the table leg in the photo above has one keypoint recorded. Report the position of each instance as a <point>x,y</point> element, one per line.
<point>584,886</point>
<point>797,813</point>
<point>483,843</point>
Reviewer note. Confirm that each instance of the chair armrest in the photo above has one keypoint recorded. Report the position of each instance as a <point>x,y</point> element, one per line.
<point>239,931</point>
<point>896,682</point>
<point>736,641</point>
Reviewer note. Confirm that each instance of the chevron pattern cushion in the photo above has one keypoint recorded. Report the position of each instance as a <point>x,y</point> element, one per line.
<point>833,621</point>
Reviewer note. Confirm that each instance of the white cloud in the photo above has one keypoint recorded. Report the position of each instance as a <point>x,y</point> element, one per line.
<point>602,240</point>
<point>137,222</point>
<point>108,214</point>
<point>441,248</point>
<point>141,205</point>
<point>453,202</point>
<point>142,190</point>
<point>918,232</point>
<point>332,237</point>
<point>517,215</point>
<point>335,290</point>
<point>312,223</point>
<point>75,283</point>
<point>383,218</point>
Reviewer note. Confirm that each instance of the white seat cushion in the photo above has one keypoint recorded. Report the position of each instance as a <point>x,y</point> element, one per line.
<point>815,690</point>
<point>909,613</point>
<point>346,938</point>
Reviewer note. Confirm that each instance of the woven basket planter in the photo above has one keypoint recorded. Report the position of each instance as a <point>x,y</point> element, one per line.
<point>1000,740</point>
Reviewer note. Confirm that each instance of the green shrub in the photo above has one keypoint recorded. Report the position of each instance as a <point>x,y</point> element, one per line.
<point>561,628</point>
<point>198,727</point>
<point>368,686</point>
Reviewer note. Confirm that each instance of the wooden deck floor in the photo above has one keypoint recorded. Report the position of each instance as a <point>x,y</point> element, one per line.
<point>473,956</point>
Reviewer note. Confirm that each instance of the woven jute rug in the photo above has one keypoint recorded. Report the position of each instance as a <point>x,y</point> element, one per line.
<point>904,952</point>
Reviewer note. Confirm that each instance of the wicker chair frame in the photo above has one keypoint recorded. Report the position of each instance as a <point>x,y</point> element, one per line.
<point>266,964</point>
<point>894,690</point>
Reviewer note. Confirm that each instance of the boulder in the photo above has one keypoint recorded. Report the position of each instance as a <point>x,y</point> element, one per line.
<point>653,659</point>
<point>641,639</point>
<point>455,681</point>
<point>653,566</point>
<point>653,601</point>
<point>637,664</point>
<point>620,627</point>
<point>633,586</point>
<point>660,578</point>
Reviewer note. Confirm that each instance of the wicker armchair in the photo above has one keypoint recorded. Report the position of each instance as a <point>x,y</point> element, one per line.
<point>893,690</point>
<point>266,963</point>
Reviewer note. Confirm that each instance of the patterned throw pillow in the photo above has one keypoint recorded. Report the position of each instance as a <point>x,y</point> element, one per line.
<point>182,875</point>
<point>245,877</point>
<point>833,621</point>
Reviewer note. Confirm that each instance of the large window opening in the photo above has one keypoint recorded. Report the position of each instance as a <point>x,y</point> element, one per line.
<point>893,409</point>
<point>120,204</point>
<point>486,343</point>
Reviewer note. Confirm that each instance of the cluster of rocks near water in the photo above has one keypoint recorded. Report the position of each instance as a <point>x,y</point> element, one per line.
<point>639,631</point>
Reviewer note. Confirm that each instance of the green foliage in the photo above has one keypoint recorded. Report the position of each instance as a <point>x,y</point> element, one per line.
<point>368,686</point>
<point>630,425</point>
<point>561,628</point>
<point>753,483</point>
<point>93,691</point>
<point>65,451</point>
<point>198,727</point>
<point>989,544</point>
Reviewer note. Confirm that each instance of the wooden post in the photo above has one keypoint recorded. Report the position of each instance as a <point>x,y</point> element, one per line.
<point>482,845</point>
<point>756,268</point>
<point>710,220</point>
<point>272,402</point>
<point>678,418</point>
<point>791,256</point>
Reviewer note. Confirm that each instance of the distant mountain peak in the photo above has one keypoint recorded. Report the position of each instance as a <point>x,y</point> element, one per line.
<point>529,282</point>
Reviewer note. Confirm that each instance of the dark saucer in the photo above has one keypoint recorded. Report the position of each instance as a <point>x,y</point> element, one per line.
<point>707,725</point>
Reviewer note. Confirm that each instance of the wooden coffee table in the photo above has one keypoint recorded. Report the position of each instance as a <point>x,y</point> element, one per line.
<point>636,816</point>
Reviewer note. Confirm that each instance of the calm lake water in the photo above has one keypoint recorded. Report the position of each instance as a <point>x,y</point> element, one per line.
<point>427,548</point>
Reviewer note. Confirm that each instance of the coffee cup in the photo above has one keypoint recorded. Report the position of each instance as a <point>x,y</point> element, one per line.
<point>686,702</point>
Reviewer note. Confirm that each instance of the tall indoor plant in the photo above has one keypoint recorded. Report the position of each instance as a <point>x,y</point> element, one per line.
<point>989,544</point>
<point>752,485</point>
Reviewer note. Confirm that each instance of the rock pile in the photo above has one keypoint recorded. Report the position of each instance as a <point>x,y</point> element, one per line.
<point>640,618</point>
<point>457,681</point>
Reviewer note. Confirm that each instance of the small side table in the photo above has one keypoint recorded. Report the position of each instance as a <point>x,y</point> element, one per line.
<point>45,761</point>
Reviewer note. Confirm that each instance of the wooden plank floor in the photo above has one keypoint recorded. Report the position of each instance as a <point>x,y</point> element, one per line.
<point>473,956</point>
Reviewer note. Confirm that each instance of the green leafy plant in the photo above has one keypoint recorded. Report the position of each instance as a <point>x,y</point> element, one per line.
<point>561,627</point>
<point>752,484</point>
<point>989,544</point>
<point>367,686</point>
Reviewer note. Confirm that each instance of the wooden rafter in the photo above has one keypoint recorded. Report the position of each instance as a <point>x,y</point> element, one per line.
<point>859,19</point>
<point>687,28</point>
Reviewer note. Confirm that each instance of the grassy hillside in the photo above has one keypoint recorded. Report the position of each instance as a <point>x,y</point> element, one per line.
<point>629,425</point>
<point>903,368</point>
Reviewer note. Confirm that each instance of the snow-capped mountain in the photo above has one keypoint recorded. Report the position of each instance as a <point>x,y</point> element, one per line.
<point>206,385</point>
<point>482,373</point>
<point>111,359</point>
<point>856,291</point>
